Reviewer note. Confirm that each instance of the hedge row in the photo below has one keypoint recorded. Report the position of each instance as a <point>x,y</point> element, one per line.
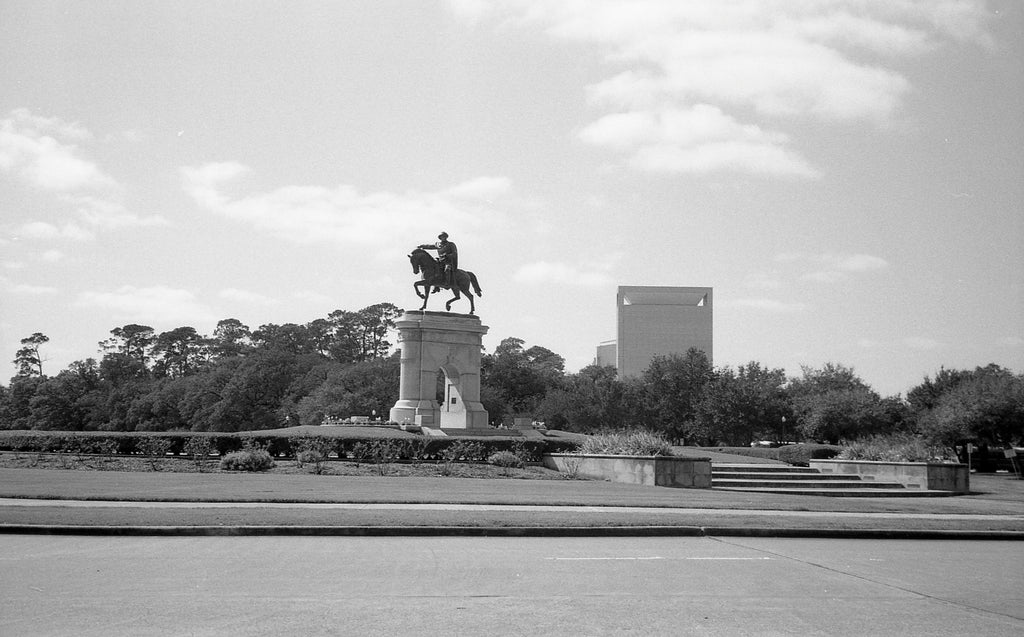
<point>799,454</point>
<point>419,448</point>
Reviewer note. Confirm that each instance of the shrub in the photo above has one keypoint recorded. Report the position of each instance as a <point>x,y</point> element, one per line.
<point>227,443</point>
<point>463,450</point>
<point>247,460</point>
<point>311,450</point>
<point>313,457</point>
<point>199,448</point>
<point>457,450</point>
<point>155,448</point>
<point>801,454</point>
<point>506,459</point>
<point>320,444</point>
<point>631,443</point>
<point>896,448</point>
<point>381,452</point>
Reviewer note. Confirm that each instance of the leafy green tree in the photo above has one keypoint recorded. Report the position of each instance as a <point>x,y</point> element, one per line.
<point>518,379</point>
<point>16,413</point>
<point>246,393</point>
<point>833,404</point>
<point>123,373</point>
<point>6,417</point>
<point>343,339</point>
<point>593,400</point>
<point>321,333</point>
<point>179,352</point>
<point>131,341</point>
<point>230,338</point>
<point>160,408</point>
<point>289,337</point>
<point>70,401</point>
<point>928,394</point>
<point>743,405</point>
<point>987,408</point>
<point>375,322</point>
<point>674,386</point>
<point>360,336</point>
<point>357,389</point>
<point>28,360</point>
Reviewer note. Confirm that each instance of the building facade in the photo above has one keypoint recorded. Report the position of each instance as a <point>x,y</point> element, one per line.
<point>658,321</point>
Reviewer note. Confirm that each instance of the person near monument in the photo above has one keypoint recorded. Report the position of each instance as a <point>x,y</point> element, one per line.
<point>447,256</point>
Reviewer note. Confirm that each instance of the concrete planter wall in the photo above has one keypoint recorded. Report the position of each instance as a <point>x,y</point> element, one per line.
<point>914,475</point>
<point>661,471</point>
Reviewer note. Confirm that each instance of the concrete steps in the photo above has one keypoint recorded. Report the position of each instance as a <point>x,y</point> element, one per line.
<point>765,478</point>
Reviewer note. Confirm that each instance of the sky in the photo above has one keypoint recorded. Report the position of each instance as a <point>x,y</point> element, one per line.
<point>847,175</point>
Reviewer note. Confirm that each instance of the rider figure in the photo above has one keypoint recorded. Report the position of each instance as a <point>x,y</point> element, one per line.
<point>447,257</point>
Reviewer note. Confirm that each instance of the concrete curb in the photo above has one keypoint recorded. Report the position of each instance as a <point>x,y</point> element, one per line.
<point>504,531</point>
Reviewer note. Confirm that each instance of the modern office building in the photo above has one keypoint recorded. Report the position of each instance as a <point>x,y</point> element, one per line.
<point>658,321</point>
<point>606,353</point>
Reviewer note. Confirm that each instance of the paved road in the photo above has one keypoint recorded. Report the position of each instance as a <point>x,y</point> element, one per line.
<point>60,585</point>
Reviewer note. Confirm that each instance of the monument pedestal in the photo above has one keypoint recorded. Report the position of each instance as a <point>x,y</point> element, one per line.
<point>450,343</point>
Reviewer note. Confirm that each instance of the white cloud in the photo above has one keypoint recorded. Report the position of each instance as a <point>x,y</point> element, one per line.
<point>52,256</point>
<point>823,276</point>
<point>310,296</point>
<point>922,343</point>
<point>830,267</point>
<point>245,296</point>
<point>778,62</point>
<point>46,231</point>
<point>148,304</point>
<point>564,273</point>
<point>773,306</point>
<point>761,281</point>
<point>30,290</point>
<point>202,182</point>
<point>481,188</point>
<point>1012,341</point>
<point>697,139</point>
<point>43,152</point>
<point>344,216</point>
<point>107,214</point>
<point>28,150</point>
<point>861,263</point>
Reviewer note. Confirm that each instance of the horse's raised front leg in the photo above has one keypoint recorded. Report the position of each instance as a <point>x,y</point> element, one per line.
<point>425,296</point>
<point>416,289</point>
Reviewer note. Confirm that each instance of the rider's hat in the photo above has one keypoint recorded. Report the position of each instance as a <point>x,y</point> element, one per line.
<point>443,235</point>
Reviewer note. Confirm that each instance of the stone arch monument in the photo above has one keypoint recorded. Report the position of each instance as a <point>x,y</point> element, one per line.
<point>450,343</point>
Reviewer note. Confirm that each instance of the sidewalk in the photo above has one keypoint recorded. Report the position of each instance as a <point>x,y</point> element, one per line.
<point>47,501</point>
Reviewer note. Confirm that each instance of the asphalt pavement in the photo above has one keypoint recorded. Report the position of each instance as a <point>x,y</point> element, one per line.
<point>138,586</point>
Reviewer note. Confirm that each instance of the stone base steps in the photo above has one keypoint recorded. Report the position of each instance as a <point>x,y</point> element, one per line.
<point>764,478</point>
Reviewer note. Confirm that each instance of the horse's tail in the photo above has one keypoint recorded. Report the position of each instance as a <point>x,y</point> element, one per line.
<point>476,286</point>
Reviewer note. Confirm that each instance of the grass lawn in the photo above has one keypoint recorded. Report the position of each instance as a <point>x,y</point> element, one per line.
<point>140,481</point>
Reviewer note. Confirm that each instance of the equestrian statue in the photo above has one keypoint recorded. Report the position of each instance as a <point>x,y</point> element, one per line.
<point>442,272</point>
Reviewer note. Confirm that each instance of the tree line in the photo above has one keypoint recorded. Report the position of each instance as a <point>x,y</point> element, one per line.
<point>240,379</point>
<point>236,379</point>
<point>689,401</point>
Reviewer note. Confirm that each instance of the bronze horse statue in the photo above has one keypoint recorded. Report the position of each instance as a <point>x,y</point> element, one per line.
<point>424,264</point>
